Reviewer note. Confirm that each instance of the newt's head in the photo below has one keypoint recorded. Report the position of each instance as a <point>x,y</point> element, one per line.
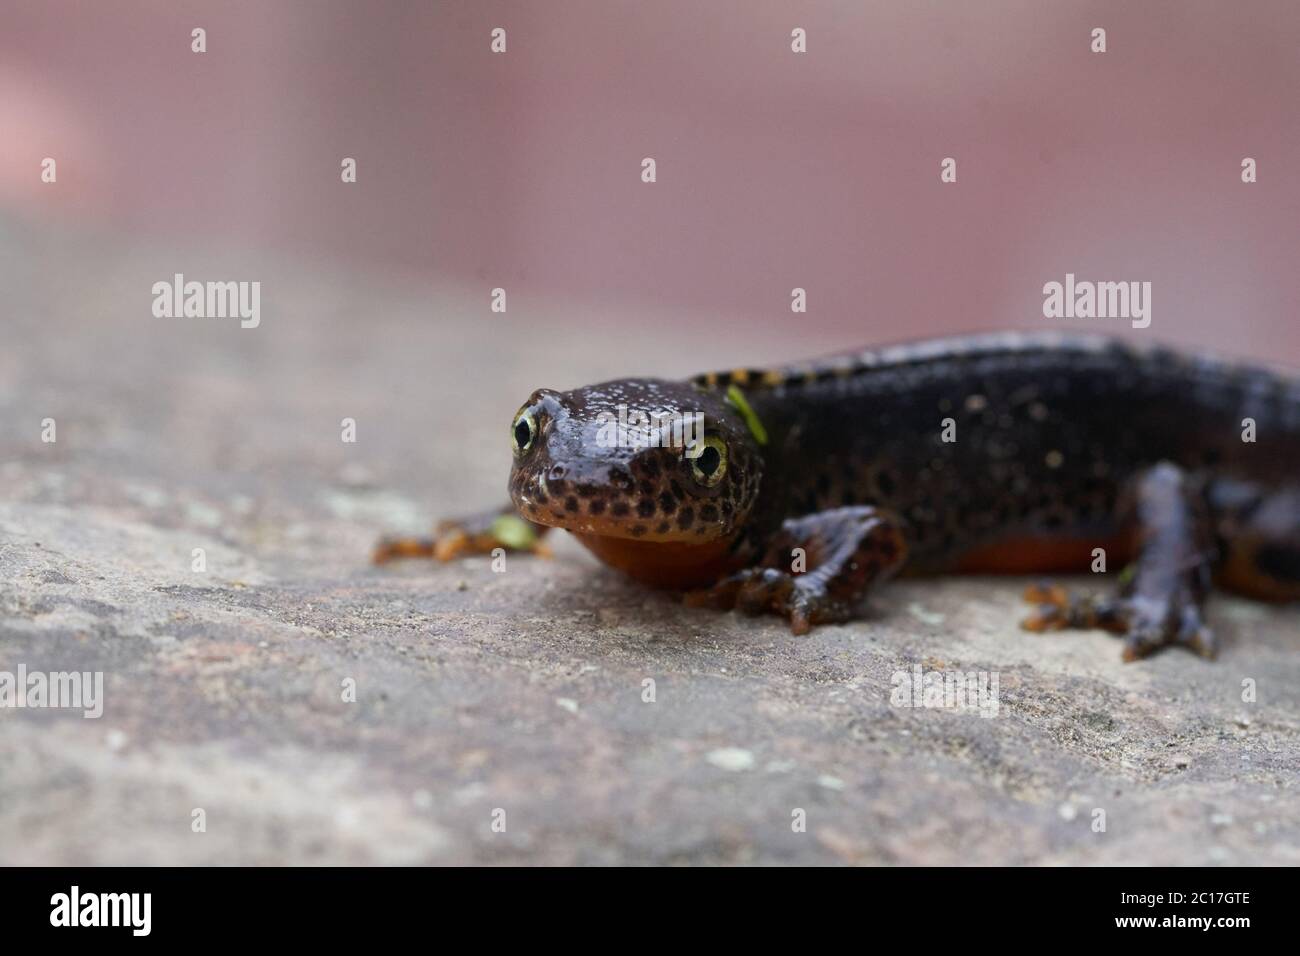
<point>640,459</point>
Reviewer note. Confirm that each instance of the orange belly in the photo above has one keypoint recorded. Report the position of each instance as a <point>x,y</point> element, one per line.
<point>1034,554</point>
<point>663,564</point>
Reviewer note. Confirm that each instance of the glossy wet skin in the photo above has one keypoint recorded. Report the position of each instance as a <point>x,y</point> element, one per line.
<point>567,475</point>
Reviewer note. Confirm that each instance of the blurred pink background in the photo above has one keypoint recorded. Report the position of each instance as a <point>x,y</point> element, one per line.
<point>775,170</point>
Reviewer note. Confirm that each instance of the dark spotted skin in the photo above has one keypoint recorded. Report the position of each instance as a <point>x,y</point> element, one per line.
<point>1013,451</point>
<point>573,479</point>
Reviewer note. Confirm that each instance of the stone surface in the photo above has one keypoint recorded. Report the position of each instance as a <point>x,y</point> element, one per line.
<point>522,691</point>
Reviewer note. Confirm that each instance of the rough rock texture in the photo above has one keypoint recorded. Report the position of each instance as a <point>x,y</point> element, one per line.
<point>521,691</point>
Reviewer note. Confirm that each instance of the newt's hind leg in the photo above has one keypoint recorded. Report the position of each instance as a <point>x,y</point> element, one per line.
<point>1161,601</point>
<point>844,551</point>
<point>476,534</point>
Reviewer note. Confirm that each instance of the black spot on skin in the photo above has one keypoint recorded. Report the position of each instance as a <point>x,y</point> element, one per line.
<point>1279,562</point>
<point>571,504</point>
<point>651,467</point>
<point>587,489</point>
<point>709,513</point>
<point>596,506</point>
<point>645,507</point>
<point>637,530</point>
<point>541,497</point>
<point>621,509</point>
<point>677,491</point>
<point>620,479</point>
<point>646,489</point>
<point>557,487</point>
<point>686,517</point>
<point>661,528</point>
<point>668,503</point>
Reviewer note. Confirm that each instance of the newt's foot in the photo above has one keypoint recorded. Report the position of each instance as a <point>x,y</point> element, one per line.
<point>1163,592</point>
<point>834,557</point>
<point>476,534</point>
<point>1146,623</point>
<point>802,601</point>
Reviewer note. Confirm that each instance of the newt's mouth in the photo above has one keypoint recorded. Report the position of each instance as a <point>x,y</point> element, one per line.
<point>619,518</point>
<point>654,508</point>
<point>588,527</point>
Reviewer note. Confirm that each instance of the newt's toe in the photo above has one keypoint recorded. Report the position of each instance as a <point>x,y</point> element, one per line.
<point>475,534</point>
<point>451,543</point>
<point>391,548</point>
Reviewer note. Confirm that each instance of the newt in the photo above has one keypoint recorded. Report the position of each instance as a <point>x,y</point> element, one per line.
<point>998,453</point>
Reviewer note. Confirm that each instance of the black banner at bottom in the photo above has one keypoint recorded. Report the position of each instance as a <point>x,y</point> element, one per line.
<point>335,906</point>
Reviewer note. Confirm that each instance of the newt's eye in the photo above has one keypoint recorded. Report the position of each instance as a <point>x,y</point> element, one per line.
<point>710,464</point>
<point>524,430</point>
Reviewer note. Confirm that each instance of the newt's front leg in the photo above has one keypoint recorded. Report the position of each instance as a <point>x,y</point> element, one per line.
<point>476,534</point>
<point>1162,601</point>
<point>816,570</point>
